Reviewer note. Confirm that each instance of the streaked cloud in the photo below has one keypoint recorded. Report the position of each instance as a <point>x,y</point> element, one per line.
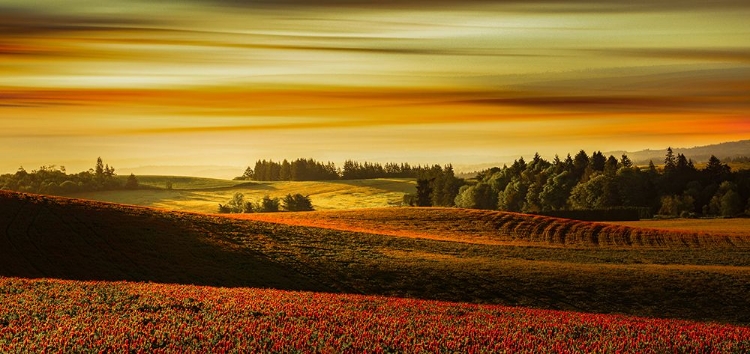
<point>367,79</point>
<point>513,5</point>
<point>723,55</point>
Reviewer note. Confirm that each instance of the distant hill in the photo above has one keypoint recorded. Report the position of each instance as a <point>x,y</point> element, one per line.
<point>697,154</point>
<point>221,172</point>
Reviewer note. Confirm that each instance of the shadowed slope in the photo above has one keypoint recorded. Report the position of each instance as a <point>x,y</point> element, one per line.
<point>44,236</point>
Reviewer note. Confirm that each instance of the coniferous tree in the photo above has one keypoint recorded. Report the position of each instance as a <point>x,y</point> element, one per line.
<point>99,170</point>
<point>424,192</point>
<point>259,169</point>
<point>715,171</point>
<point>285,171</point>
<point>132,182</point>
<point>670,162</point>
<point>625,161</point>
<point>598,161</point>
<point>610,166</point>
<point>580,164</point>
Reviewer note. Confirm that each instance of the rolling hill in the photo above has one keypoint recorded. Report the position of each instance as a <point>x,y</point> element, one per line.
<point>72,239</point>
<point>681,276</point>
<point>507,228</point>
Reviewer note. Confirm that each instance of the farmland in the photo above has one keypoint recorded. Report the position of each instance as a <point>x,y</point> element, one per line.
<point>205,194</point>
<point>716,226</point>
<point>67,316</point>
<point>682,276</point>
<point>493,227</point>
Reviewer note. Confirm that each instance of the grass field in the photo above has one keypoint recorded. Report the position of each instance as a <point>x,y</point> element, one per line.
<point>205,194</point>
<point>702,277</point>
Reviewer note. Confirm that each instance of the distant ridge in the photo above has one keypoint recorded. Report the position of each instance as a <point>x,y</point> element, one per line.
<point>697,154</point>
<point>208,171</point>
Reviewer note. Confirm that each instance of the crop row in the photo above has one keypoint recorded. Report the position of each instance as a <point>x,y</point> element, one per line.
<point>497,227</point>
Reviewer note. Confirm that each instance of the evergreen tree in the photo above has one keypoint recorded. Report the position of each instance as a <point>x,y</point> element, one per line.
<point>448,186</point>
<point>580,164</point>
<point>682,165</point>
<point>132,182</point>
<point>558,164</point>
<point>259,169</point>
<point>670,162</point>
<point>715,171</point>
<point>569,164</point>
<point>598,161</point>
<point>625,161</point>
<point>285,172</point>
<point>424,192</point>
<point>610,166</point>
<point>632,187</point>
<point>99,171</point>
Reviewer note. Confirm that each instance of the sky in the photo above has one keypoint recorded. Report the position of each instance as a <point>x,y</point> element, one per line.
<point>222,83</point>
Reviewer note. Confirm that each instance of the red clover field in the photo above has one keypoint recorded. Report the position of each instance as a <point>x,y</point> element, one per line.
<point>69,316</point>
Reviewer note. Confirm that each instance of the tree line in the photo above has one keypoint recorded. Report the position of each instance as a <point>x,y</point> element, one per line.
<point>312,170</point>
<point>55,180</point>
<point>596,182</point>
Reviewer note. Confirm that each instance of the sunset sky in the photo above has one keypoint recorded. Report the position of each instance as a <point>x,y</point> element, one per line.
<point>227,82</point>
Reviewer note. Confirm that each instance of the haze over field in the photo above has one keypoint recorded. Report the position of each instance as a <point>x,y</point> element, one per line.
<point>225,82</point>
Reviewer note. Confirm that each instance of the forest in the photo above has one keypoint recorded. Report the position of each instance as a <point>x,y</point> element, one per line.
<point>596,182</point>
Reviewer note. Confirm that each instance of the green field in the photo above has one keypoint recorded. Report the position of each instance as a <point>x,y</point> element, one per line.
<point>205,194</point>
